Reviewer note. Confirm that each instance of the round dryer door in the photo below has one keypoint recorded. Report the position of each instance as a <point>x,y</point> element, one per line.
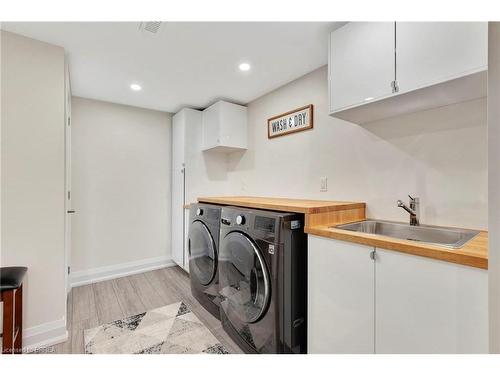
<point>243,278</point>
<point>202,252</point>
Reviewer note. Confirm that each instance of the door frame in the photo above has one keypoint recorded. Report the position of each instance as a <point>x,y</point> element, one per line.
<point>67,181</point>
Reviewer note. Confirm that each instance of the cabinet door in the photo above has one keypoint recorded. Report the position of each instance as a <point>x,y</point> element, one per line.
<point>340,297</point>
<point>432,52</point>
<point>425,305</point>
<point>211,126</point>
<point>178,188</point>
<point>361,65</point>
<point>233,125</point>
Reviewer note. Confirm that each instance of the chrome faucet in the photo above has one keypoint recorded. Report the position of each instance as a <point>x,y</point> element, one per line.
<point>413,210</point>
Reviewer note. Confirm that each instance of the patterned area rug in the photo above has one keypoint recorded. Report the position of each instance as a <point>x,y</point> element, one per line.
<point>172,329</point>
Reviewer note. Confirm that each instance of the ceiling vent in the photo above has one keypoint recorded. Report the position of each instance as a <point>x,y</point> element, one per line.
<point>151,27</point>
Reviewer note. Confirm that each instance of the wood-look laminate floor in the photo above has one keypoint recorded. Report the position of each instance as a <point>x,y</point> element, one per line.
<point>99,303</point>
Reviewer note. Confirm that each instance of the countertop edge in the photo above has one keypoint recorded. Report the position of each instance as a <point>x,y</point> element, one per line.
<point>459,256</point>
<point>321,208</point>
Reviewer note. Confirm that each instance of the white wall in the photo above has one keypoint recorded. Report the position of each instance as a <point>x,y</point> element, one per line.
<point>32,201</point>
<point>494,183</point>
<point>121,188</point>
<point>439,155</point>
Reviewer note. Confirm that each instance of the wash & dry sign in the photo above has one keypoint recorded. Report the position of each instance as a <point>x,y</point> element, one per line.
<point>290,122</point>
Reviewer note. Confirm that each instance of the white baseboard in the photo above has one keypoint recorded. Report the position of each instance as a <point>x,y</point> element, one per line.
<point>94,275</point>
<point>44,335</point>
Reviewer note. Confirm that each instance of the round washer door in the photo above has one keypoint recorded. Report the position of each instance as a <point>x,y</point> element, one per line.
<point>202,253</point>
<point>243,278</point>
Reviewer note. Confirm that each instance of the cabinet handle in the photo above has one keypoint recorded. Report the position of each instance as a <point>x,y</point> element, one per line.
<point>373,255</point>
<point>394,86</point>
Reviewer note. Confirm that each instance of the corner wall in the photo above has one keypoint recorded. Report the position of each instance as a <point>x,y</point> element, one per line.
<point>32,164</point>
<point>121,181</point>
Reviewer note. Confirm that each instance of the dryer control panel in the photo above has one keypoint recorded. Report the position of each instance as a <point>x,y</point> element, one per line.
<point>265,223</point>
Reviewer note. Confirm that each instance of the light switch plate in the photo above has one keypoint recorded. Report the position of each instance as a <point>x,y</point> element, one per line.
<point>323,184</point>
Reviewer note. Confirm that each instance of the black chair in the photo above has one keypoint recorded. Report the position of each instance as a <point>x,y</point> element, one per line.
<point>11,293</point>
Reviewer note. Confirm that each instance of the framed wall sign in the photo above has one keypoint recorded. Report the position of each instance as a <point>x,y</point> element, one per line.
<point>290,122</point>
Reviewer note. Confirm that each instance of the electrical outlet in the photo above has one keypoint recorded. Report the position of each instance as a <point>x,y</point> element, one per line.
<point>323,184</point>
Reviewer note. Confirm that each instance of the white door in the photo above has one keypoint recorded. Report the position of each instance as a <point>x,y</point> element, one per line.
<point>68,204</point>
<point>340,297</point>
<point>429,306</point>
<point>433,52</point>
<point>178,189</point>
<point>361,65</point>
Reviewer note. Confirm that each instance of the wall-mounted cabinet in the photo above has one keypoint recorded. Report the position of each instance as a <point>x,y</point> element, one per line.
<point>432,52</point>
<point>361,63</point>
<point>224,127</point>
<point>367,300</point>
<point>382,69</point>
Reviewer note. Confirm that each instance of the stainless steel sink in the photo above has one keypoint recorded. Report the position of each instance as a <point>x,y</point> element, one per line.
<point>442,236</point>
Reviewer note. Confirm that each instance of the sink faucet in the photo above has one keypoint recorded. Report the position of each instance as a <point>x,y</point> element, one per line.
<point>413,210</point>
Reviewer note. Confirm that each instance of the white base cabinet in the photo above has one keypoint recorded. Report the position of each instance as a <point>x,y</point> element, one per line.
<point>340,297</point>
<point>425,306</point>
<point>394,303</point>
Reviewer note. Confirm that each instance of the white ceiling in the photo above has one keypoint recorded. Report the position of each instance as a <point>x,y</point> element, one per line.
<point>186,63</point>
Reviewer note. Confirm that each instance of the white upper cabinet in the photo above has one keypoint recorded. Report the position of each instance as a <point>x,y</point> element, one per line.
<point>361,65</point>
<point>432,63</point>
<point>433,52</point>
<point>225,127</point>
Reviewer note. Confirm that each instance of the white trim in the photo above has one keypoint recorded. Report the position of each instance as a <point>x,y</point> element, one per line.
<point>44,335</point>
<point>94,275</point>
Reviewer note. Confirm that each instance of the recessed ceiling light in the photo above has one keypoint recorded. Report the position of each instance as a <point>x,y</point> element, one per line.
<point>244,67</point>
<point>135,87</point>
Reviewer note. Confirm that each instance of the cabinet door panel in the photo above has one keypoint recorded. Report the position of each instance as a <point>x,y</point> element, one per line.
<point>429,306</point>
<point>432,52</point>
<point>211,126</point>
<point>177,209</point>
<point>361,64</point>
<point>340,297</point>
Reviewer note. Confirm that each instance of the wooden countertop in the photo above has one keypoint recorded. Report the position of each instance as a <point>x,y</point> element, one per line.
<point>474,253</point>
<point>304,206</point>
<point>321,215</point>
